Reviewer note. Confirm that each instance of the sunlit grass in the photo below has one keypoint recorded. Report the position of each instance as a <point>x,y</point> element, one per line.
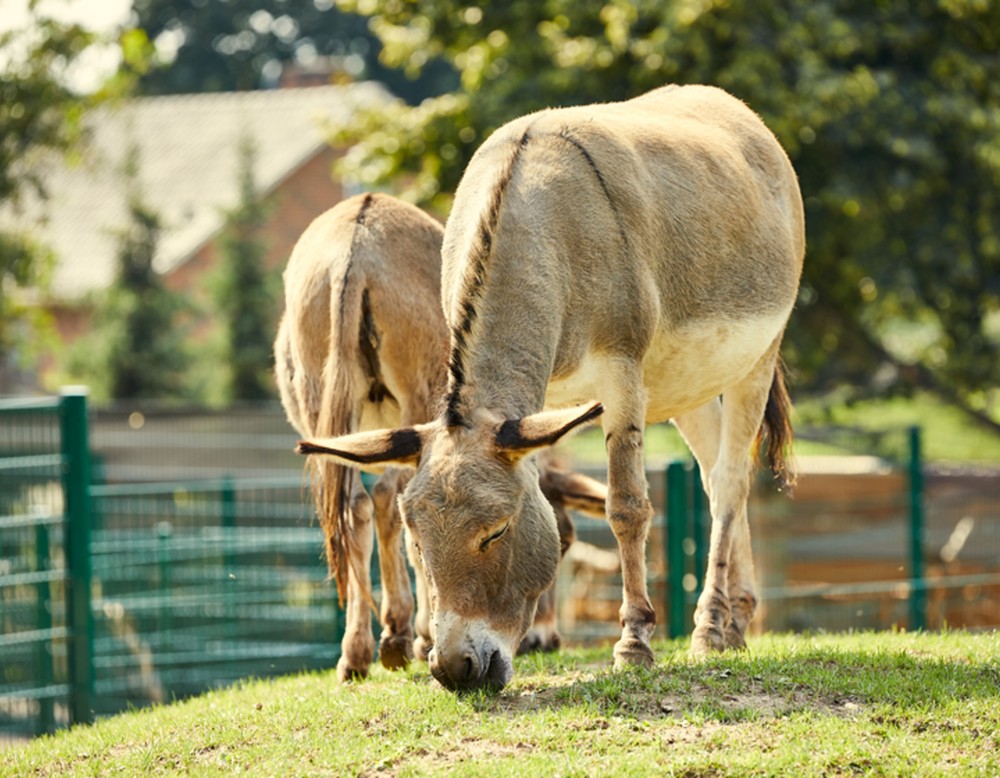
<point>883,704</point>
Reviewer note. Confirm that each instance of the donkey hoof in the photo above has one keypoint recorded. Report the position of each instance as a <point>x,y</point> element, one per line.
<point>632,652</point>
<point>347,673</point>
<point>422,647</point>
<point>395,651</point>
<point>537,640</point>
<point>707,640</point>
<point>735,639</point>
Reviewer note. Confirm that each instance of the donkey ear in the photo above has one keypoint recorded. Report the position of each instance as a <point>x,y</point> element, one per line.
<point>400,447</point>
<point>574,491</point>
<point>517,438</point>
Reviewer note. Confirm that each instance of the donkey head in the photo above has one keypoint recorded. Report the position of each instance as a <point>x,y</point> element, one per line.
<point>484,530</point>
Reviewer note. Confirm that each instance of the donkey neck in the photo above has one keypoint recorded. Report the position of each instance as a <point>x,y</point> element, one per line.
<point>504,356</point>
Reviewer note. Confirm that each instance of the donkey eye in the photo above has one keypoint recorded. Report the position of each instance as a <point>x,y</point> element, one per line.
<point>493,538</point>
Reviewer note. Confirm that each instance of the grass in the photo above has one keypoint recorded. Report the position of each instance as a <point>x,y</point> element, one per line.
<point>948,435</point>
<point>860,704</point>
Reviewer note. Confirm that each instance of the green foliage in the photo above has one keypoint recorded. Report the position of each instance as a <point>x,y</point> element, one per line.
<point>242,44</point>
<point>890,112</point>
<point>42,119</point>
<point>39,114</point>
<point>246,294</point>
<point>136,348</point>
<point>872,704</point>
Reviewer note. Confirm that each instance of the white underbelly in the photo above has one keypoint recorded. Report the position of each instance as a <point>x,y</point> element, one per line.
<point>683,369</point>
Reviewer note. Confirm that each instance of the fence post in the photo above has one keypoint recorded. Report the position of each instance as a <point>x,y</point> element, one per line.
<point>43,621</point>
<point>227,494</point>
<point>698,529</point>
<point>918,584</point>
<point>673,531</point>
<point>76,486</point>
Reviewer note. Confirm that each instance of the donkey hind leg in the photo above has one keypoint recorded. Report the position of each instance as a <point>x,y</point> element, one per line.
<point>742,586</point>
<point>358,646</point>
<point>629,513</point>
<point>423,643</point>
<point>729,597</point>
<point>396,643</point>
<point>702,430</point>
<point>543,634</point>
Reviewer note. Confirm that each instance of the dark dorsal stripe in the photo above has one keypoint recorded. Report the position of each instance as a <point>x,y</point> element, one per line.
<point>565,135</point>
<point>475,278</point>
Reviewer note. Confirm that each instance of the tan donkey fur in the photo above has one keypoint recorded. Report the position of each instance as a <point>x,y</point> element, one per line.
<point>642,257</point>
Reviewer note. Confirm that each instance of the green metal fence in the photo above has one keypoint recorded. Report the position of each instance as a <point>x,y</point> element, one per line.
<point>177,552</point>
<point>122,594</point>
<point>870,539</point>
<point>42,640</point>
<point>805,534</point>
<point>199,584</point>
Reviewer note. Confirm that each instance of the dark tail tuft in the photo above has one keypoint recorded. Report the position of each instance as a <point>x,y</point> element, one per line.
<point>777,427</point>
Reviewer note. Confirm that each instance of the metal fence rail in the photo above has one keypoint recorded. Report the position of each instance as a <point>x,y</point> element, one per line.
<point>203,583</point>
<point>865,542</point>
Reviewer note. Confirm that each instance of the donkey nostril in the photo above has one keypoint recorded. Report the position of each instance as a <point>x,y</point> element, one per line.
<point>469,669</point>
<point>496,673</point>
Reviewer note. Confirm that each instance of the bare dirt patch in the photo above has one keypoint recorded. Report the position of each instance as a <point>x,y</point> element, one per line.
<point>468,748</point>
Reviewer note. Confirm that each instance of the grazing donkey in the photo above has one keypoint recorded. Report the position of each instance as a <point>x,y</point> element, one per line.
<point>644,254</point>
<point>363,344</point>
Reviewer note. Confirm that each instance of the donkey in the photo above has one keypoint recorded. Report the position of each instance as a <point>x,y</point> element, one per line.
<point>363,343</point>
<point>635,261</point>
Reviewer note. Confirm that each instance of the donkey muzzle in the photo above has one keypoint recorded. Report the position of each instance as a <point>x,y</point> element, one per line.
<point>472,667</point>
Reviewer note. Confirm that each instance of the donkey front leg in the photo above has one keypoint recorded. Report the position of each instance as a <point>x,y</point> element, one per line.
<point>396,643</point>
<point>358,645</point>
<point>629,513</point>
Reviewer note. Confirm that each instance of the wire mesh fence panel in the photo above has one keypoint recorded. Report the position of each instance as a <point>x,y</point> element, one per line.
<point>204,583</point>
<point>835,556</point>
<point>962,548</point>
<point>33,670</point>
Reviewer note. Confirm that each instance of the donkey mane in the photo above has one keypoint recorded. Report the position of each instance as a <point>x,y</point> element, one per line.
<point>474,279</point>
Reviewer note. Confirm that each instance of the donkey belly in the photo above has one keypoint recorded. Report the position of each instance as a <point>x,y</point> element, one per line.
<point>683,369</point>
<point>686,368</point>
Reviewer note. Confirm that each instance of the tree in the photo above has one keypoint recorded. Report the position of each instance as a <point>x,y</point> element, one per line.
<point>242,44</point>
<point>42,121</point>
<point>247,296</point>
<point>39,114</point>
<point>136,348</point>
<point>890,112</point>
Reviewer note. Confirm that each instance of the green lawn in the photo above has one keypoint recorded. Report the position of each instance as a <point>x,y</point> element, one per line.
<point>863,704</point>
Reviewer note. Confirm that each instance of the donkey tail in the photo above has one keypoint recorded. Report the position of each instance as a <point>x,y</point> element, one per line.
<point>777,428</point>
<point>339,413</point>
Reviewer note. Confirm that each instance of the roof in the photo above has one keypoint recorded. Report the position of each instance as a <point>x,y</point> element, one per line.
<point>188,171</point>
